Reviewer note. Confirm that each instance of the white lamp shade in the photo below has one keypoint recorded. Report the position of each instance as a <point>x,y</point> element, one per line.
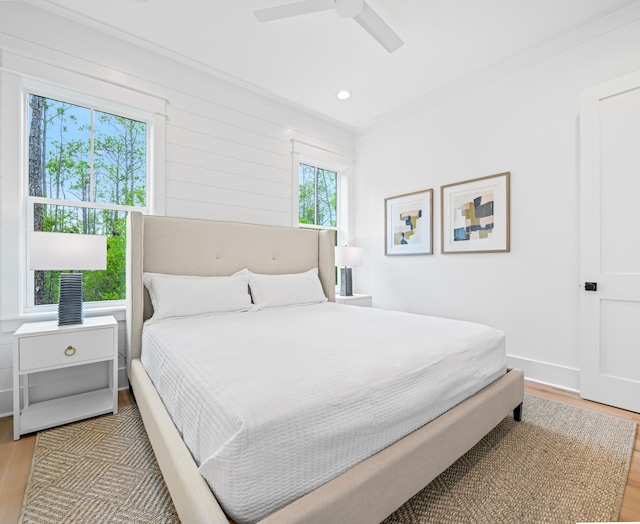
<point>349,256</point>
<point>67,251</point>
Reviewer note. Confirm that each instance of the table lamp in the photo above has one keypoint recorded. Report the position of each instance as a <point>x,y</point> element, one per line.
<point>67,251</point>
<point>346,258</point>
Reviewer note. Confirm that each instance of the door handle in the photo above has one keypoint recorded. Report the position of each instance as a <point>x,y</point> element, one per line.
<point>591,286</point>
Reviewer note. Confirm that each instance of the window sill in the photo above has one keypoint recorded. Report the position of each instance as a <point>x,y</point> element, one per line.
<point>9,325</point>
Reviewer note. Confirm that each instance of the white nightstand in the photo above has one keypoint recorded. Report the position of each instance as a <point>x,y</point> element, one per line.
<point>42,346</point>
<point>355,300</point>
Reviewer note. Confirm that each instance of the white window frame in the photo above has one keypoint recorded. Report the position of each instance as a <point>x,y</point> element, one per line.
<point>321,158</point>
<point>68,96</point>
<point>305,153</point>
<point>21,75</point>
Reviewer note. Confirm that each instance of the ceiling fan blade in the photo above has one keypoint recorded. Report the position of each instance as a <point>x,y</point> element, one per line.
<point>378,29</point>
<point>298,8</point>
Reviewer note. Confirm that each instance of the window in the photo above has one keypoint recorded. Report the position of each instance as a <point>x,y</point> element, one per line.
<point>318,199</point>
<point>87,168</point>
<point>323,188</point>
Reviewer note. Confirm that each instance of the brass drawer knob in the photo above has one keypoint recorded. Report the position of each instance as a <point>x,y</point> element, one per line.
<point>70,351</point>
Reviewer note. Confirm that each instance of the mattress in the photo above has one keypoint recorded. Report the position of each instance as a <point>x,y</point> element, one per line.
<point>274,403</point>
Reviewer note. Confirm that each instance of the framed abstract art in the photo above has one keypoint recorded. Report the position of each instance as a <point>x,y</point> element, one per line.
<point>475,215</point>
<point>409,224</point>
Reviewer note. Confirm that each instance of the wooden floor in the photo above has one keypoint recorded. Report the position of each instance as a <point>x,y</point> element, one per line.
<point>15,456</point>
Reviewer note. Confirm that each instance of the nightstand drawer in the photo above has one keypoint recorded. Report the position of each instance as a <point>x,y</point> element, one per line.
<point>63,349</point>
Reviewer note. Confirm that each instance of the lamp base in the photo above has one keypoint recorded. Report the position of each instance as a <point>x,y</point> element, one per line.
<point>346,289</point>
<point>70,299</point>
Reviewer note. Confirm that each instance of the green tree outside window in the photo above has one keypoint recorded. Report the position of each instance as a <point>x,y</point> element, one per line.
<point>318,196</point>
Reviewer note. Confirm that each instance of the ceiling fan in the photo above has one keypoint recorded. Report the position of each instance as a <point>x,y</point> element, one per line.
<point>359,10</point>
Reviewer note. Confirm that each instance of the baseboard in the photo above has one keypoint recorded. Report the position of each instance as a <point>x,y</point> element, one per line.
<point>545,373</point>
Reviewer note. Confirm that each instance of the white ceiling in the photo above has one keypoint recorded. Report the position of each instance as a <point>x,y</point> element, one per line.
<point>307,59</point>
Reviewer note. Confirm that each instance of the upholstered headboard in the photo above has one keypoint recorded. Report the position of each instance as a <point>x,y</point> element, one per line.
<point>181,246</point>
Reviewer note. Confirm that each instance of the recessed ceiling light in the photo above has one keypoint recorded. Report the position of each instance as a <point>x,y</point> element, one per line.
<point>343,95</point>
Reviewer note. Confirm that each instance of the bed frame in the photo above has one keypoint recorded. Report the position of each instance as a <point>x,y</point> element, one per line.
<point>368,492</point>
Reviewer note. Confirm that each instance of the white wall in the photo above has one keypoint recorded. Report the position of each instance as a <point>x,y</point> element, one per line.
<point>228,149</point>
<point>525,123</point>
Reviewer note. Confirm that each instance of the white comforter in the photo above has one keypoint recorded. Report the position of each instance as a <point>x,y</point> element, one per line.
<point>274,403</point>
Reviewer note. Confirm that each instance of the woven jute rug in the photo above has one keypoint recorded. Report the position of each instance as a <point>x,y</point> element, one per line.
<point>561,464</point>
<point>100,470</point>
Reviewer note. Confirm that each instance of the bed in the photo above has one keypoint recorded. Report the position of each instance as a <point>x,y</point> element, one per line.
<point>375,485</point>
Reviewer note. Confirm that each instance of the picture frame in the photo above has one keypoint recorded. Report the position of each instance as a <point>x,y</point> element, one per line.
<point>409,223</point>
<point>475,215</point>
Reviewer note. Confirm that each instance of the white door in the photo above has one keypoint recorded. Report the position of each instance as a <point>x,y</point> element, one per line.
<point>610,243</point>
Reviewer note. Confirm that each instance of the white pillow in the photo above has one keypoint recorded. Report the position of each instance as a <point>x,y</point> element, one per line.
<point>293,289</point>
<point>185,296</point>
